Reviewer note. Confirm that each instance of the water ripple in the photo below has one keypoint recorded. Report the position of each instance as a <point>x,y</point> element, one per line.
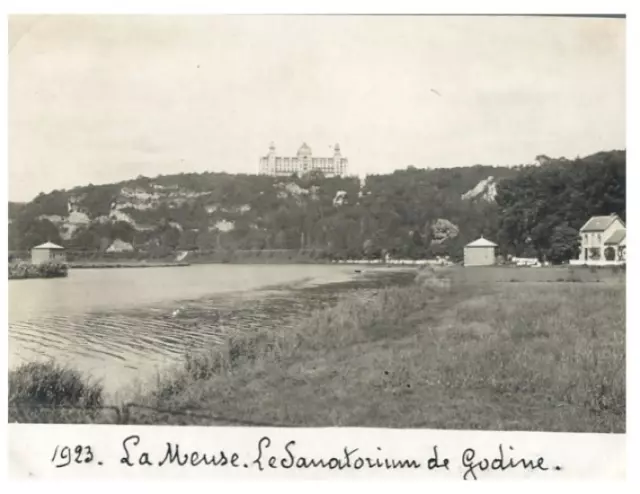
<point>132,341</point>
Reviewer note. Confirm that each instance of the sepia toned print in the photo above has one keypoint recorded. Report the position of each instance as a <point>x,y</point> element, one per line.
<point>400,222</point>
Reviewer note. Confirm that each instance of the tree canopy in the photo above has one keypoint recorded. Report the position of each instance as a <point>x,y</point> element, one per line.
<point>409,213</point>
<point>543,207</point>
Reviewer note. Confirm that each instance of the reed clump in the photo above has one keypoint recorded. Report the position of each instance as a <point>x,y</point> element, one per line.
<point>47,392</point>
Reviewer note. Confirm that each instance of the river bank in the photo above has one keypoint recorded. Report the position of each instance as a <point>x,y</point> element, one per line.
<point>121,325</point>
<point>27,270</point>
<point>133,264</point>
<point>434,352</point>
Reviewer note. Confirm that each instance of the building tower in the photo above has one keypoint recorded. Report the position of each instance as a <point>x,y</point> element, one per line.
<point>304,158</point>
<point>268,162</point>
<point>337,160</point>
<point>271,158</point>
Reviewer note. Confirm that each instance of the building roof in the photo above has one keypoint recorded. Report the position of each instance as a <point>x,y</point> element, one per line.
<point>48,245</point>
<point>599,223</point>
<point>616,237</point>
<point>304,149</point>
<point>481,242</point>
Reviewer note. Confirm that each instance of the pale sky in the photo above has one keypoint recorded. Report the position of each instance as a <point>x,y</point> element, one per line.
<point>102,99</point>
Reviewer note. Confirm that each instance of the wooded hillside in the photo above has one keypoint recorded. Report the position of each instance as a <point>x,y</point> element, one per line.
<point>527,210</point>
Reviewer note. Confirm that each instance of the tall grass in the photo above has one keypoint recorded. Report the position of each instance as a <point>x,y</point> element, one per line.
<point>442,354</point>
<point>353,320</point>
<point>563,346</point>
<point>47,392</point>
<point>52,384</point>
<point>551,274</point>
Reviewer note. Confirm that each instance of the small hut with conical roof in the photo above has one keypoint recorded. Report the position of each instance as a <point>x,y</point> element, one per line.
<point>47,252</point>
<point>480,252</point>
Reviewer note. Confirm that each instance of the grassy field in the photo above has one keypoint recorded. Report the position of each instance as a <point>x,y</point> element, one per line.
<point>513,274</point>
<point>455,350</point>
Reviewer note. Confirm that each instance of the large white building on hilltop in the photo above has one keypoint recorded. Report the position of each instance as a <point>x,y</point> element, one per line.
<point>302,163</point>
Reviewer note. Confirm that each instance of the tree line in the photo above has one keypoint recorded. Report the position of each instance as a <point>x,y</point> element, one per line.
<point>412,213</point>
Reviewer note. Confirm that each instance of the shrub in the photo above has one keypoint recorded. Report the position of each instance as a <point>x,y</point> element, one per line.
<point>24,270</point>
<point>51,384</point>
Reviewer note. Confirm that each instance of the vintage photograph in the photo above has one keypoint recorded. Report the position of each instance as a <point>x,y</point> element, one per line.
<point>407,221</point>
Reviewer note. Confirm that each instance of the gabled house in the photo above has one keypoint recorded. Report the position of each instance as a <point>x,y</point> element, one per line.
<point>603,240</point>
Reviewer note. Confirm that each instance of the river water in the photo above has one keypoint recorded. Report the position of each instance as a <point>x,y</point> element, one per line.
<point>125,325</point>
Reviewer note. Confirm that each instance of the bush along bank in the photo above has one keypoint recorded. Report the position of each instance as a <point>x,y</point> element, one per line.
<point>48,392</point>
<point>25,270</point>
